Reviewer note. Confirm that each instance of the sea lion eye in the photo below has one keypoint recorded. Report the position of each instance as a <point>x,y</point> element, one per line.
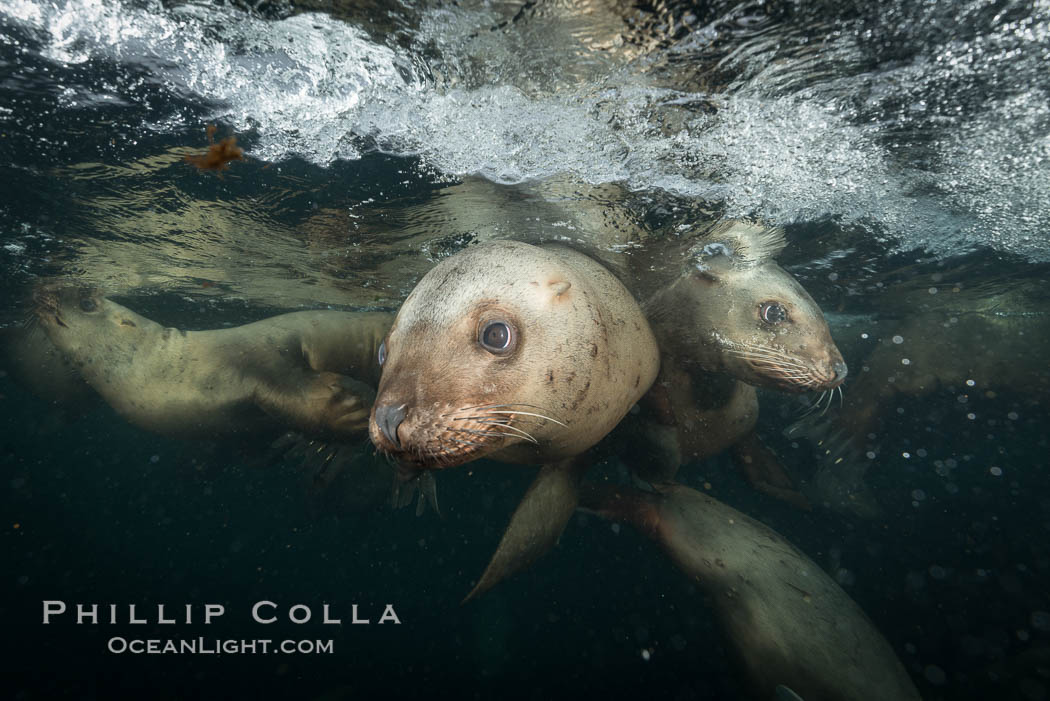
<point>88,305</point>
<point>382,353</point>
<point>497,337</point>
<point>772,313</point>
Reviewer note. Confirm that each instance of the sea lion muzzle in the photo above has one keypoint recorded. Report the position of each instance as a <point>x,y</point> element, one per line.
<point>388,418</point>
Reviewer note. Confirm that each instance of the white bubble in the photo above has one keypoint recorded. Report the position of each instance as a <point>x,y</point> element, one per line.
<point>898,340</point>
<point>870,455</point>
<point>616,528</point>
<point>646,654</point>
<point>154,459</point>
<point>833,276</point>
<point>905,361</point>
<point>864,335</point>
<point>906,454</point>
<point>971,416</point>
<point>996,471</point>
<point>970,383</point>
<point>932,290</point>
<point>1012,416</point>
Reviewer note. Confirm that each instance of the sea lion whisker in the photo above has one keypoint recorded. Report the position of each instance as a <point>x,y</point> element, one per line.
<point>464,441</point>
<point>529,413</point>
<point>813,406</point>
<point>777,359</point>
<point>831,396</point>
<point>769,359</point>
<point>500,433</point>
<point>524,434</point>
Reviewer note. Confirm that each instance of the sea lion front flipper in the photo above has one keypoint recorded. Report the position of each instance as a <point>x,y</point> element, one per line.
<point>325,403</point>
<point>764,471</point>
<point>536,525</point>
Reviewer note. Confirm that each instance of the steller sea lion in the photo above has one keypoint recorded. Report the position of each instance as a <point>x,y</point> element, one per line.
<point>309,371</point>
<point>730,320</point>
<point>1007,336</point>
<point>788,623</point>
<point>518,353</point>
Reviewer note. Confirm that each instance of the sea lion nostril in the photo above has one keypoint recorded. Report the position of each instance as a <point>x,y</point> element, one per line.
<point>840,370</point>
<point>388,418</point>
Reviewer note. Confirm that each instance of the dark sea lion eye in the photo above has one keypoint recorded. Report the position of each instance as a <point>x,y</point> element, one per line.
<point>88,304</point>
<point>772,313</point>
<point>382,353</point>
<point>497,336</point>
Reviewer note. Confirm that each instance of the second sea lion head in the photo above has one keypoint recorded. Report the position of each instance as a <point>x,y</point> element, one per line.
<point>73,315</point>
<point>751,319</point>
<point>505,350</point>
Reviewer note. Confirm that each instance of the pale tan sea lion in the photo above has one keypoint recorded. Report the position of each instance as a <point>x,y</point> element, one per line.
<point>731,320</point>
<point>308,371</point>
<point>789,624</point>
<point>518,353</point>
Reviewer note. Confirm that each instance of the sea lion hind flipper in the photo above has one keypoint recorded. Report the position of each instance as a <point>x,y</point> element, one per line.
<point>536,525</point>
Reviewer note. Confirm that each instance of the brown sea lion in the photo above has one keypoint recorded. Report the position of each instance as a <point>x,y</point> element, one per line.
<point>309,371</point>
<point>730,321</point>
<point>518,353</point>
<point>788,623</point>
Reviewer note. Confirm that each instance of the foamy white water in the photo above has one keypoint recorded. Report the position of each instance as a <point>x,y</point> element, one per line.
<point>780,143</point>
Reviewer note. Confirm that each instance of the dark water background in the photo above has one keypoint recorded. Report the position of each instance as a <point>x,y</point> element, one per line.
<point>902,146</point>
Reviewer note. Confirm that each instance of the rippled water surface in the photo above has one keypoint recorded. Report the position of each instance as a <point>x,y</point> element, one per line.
<point>904,147</point>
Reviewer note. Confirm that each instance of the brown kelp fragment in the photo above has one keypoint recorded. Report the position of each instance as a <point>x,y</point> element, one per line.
<point>218,155</point>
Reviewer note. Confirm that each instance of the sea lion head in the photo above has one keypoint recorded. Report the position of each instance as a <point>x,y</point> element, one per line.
<point>75,318</point>
<point>512,351</point>
<point>740,313</point>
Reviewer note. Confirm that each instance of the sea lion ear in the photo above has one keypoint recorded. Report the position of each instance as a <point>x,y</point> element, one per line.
<point>709,261</point>
<point>750,243</point>
<point>560,287</point>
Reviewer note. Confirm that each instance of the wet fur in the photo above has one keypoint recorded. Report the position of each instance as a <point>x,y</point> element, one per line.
<point>787,622</point>
<point>309,371</point>
<point>715,350</point>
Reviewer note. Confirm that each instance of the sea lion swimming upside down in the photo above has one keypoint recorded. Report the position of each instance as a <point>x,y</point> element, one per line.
<point>307,371</point>
<point>518,353</point>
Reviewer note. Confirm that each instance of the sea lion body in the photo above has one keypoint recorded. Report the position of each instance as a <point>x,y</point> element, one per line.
<point>788,622</point>
<point>308,371</point>
<point>519,353</point>
<point>730,321</point>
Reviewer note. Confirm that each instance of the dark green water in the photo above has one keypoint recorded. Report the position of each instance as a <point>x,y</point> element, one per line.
<point>904,150</point>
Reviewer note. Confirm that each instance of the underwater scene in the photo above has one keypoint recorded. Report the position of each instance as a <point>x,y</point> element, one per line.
<point>535,349</point>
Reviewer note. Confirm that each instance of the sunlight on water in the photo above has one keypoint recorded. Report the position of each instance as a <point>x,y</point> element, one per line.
<point>902,146</point>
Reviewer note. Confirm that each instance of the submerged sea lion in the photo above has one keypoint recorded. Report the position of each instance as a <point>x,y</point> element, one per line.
<point>1007,337</point>
<point>309,371</point>
<point>28,355</point>
<point>518,353</point>
<point>789,624</point>
<point>730,321</point>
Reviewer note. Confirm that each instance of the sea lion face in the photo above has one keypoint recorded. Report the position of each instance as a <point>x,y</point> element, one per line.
<point>74,318</point>
<point>505,350</point>
<point>755,322</point>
